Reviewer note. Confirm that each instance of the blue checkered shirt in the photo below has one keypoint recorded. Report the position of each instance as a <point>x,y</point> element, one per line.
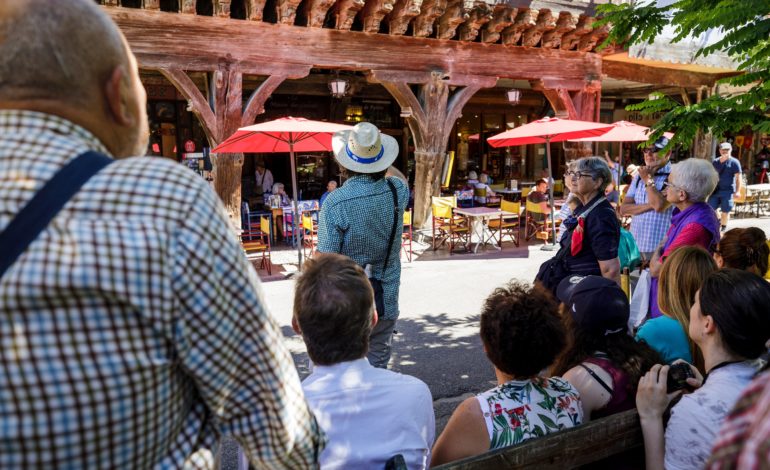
<point>133,330</point>
<point>650,227</point>
<point>356,221</point>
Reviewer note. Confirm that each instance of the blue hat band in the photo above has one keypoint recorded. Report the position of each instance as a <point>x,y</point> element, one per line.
<point>362,160</point>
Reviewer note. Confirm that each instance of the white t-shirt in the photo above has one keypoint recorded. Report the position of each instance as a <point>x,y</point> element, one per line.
<point>369,415</point>
<point>264,181</point>
<point>696,419</point>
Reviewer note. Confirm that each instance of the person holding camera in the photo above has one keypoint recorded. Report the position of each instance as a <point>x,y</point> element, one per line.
<point>730,323</point>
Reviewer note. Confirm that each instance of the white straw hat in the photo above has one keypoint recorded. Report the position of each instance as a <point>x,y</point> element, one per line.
<point>364,149</point>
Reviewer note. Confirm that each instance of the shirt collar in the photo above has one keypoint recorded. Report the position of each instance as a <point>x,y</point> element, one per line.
<point>356,364</point>
<point>19,126</point>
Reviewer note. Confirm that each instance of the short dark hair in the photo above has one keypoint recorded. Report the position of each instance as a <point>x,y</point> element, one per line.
<point>333,306</point>
<point>738,302</point>
<point>521,329</point>
<point>350,173</point>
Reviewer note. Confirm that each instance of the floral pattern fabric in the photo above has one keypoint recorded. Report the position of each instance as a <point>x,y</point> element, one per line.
<point>524,409</point>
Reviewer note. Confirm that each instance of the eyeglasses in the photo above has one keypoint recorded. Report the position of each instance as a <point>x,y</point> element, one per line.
<point>578,174</point>
<point>667,185</point>
<point>650,150</point>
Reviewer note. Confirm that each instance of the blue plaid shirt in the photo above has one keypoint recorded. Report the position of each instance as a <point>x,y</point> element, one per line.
<point>650,227</point>
<point>356,221</point>
<point>133,331</point>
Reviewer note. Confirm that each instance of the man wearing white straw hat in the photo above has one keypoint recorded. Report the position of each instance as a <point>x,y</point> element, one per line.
<point>362,218</point>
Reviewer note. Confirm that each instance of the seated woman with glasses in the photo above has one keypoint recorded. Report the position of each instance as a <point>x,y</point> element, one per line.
<point>693,222</point>
<point>593,231</point>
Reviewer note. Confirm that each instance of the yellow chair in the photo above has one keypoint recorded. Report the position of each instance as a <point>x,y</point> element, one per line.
<point>406,235</point>
<point>256,241</point>
<point>539,225</point>
<point>309,234</point>
<point>448,227</point>
<point>507,225</point>
<point>525,192</point>
<point>497,187</point>
<point>558,186</point>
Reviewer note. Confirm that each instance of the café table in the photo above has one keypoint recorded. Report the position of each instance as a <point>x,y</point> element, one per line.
<point>478,220</point>
<point>512,195</point>
<point>762,191</point>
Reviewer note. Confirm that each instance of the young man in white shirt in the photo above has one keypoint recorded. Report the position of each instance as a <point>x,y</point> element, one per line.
<point>368,414</point>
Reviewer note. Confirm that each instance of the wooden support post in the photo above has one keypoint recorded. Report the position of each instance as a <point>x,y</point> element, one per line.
<point>572,101</point>
<point>433,114</point>
<point>224,116</point>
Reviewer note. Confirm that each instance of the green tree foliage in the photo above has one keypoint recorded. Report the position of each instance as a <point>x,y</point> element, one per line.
<point>746,39</point>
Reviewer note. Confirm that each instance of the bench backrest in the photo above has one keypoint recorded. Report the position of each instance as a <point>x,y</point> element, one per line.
<point>571,448</point>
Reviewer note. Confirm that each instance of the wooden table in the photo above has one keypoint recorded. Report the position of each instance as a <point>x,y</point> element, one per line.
<point>477,216</point>
<point>761,190</point>
<point>513,195</point>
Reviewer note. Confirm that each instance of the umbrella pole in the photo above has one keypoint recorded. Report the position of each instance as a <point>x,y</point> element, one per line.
<point>553,245</point>
<point>295,233</point>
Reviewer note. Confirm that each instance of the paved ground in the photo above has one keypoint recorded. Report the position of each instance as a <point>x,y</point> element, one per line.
<point>440,300</point>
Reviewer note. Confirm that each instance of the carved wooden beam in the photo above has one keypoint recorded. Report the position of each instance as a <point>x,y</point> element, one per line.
<point>451,79</point>
<point>525,18</point>
<point>286,11</point>
<point>203,43</point>
<point>188,7</point>
<point>571,39</point>
<point>545,22</point>
<point>590,40</point>
<point>453,16</point>
<point>221,8</point>
<point>478,16</point>
<point>345,12</point>
<point>256,103</point>
<point>110,3</point>
<point>402,14</point>
<point>255,9</point>
<point>641,72</point>
<point>201,108</point>
<point>422,26</point>
<point>151,4</point>
<point>502,17</point>
<point>566,23</point>
<point>373,13</point>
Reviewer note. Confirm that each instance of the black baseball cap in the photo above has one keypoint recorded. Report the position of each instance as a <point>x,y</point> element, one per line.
<point>596,303</point>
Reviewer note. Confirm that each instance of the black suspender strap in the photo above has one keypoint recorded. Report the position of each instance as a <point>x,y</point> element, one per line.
<point>395,223</point>
<point>43,207</point>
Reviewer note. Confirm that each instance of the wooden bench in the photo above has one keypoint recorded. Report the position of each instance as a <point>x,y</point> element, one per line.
<point>585,444</point>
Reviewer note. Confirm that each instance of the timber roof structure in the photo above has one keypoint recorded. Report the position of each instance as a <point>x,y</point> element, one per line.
<point>556,24</point>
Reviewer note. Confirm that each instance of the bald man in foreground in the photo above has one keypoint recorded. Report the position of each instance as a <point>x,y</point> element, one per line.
<point>132,329</point>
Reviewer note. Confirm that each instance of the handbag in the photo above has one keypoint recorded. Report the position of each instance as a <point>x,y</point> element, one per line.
<point>379,293</point>
<point>35,216</point>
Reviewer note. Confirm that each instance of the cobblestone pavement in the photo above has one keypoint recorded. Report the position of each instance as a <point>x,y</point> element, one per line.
<point>440,299</point>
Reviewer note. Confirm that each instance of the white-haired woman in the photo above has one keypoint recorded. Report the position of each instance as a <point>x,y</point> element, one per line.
<point>693,222</point>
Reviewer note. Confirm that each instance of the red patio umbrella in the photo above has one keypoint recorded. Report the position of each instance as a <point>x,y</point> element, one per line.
<point>623,131</point>
<point>284,135</point>
<point>545,131</point>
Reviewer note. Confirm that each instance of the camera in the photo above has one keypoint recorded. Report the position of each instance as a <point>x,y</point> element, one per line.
<point>677,376</point>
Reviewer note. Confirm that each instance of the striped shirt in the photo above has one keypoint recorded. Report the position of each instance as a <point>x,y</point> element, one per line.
<point>133,331</point>
<point>650,227</point>
<point>356,221</point>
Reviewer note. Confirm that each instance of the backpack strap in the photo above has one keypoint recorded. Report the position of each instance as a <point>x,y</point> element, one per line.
<point>43,207</point>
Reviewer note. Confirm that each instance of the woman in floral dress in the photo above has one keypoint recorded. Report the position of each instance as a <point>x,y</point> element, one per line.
<point>522,335</point>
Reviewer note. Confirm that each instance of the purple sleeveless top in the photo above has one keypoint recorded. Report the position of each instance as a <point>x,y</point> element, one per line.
<point>699,213</point>
<point>620,399</point>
